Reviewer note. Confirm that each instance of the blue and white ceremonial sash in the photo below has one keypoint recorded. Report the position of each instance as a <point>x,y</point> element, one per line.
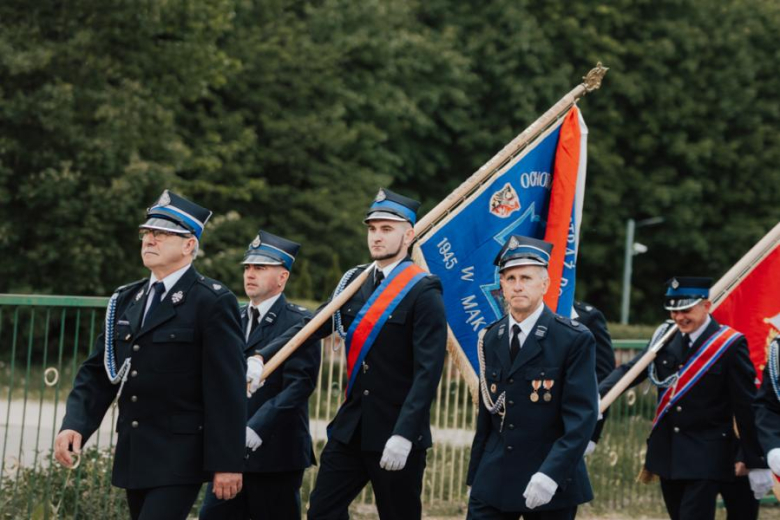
<point>375,312</point>
<point>706,356</point>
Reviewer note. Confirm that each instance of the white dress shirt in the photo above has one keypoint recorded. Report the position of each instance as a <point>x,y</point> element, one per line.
<point>263,307</point>
<point>169,281</point>
<point>526,326</point>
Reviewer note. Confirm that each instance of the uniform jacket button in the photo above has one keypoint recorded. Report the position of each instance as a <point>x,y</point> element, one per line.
<point>136,348</point>
<point>509,448</point>
<point>419,438</point>
<point>679,408</point>
<point>676,429</point>
<point>133,373</point>
<point>511,403</point>
<point>365,392</point>
<point>511,381</point>
<point>511,426</point>
<point>134,398</point>
<point>134,424</point>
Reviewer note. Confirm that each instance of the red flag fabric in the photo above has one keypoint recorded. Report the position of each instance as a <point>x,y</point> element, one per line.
<point>753,308</point>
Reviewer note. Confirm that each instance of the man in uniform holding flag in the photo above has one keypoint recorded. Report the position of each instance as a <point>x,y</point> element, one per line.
<point>395,334</point>
<point>171,353</point>
<point>768,408</point>
<point>278,442</point>
<point>705,382</point>
<point>538,400</point>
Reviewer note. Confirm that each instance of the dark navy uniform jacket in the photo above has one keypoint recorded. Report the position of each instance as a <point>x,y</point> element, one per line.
<point>546,436</point>
<point>695,439</point>
<point>767,410</point>
<point>395,386</point>
<point>594,320</point>
<point>182,412</point>
<point>279,411</point>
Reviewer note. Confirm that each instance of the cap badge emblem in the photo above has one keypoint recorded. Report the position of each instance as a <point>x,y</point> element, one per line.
<point>256,242</point>
<point>513,243</point>
<point>675,284</point>
<point>380,196</point>
<point>165,199</point>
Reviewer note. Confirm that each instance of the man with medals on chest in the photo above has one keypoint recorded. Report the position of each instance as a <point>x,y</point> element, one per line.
<point>538,400</point>
<point>278,442</point>
<point>171,354</point>
<point>705,384</point>
<point>395,335</point>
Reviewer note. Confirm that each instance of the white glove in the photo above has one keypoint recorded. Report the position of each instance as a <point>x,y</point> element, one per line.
<point>760,482</point>
<point>254,371</point>
<point>590,449</point>
<point>396,452</point>
<point>253,440</point>
<point>540,490</point>
<point>773,458</point>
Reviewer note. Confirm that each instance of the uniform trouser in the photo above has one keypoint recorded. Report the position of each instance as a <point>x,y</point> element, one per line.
<point>162,503</point>
<point>264,496</point>
<point>690,499</point>
<point>479,510</point>
<point>345,469</point>
<point>739,500</point>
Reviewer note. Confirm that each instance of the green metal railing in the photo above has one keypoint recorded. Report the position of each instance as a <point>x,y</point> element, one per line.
<point>43,339</point>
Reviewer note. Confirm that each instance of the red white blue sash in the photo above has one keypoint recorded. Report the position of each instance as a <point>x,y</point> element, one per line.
<point>375,312</point>
<point>707,355</point>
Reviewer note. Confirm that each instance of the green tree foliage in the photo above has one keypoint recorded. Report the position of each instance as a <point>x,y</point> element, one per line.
<point>288,116</point>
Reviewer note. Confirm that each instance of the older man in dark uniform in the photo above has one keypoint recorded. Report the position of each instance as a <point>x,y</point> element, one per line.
<point>538,400</point>
<point>279,447</point>
<point>705,381</point>
<point>171,353</point>
<point>395,340</point>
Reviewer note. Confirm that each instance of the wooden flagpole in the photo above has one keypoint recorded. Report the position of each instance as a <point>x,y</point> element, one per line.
<point>721,290</point>
<point>591,82</point>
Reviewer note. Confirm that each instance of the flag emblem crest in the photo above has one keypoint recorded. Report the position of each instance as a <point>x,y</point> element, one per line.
<point>504,202</point>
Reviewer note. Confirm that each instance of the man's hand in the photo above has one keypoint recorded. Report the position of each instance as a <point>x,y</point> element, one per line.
<point>539,491</point>
<point>396,452</point>
<point>590,449</point>
<point>760,482</point>
<point>67,441</point>
<point>227,485</point>
<point>254,373</point>
<point>773,459</point>
<point>253,440</point>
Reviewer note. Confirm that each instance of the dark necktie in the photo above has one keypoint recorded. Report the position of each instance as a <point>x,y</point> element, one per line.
<point>379,276</point>
<point>254,313</point>
<point>158,288</point>
<point>514,345</point>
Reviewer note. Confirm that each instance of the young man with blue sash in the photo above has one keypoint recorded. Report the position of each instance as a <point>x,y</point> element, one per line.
<point>395,335</point>
<point>171,354</point>
<point>705,383</point>
<point>538,400</point>
<point>278,442</point>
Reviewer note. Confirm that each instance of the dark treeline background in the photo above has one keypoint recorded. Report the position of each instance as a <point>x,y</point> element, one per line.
<point>290,114</point>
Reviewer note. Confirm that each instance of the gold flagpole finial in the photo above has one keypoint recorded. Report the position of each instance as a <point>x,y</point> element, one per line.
<point>592,80</point>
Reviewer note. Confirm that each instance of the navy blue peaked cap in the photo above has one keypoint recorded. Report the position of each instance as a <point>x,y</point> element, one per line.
<point>176,214</point>
<point>389,205</point>
<point>683,292</point>
<point>270,249</point>
<point>520,250</point>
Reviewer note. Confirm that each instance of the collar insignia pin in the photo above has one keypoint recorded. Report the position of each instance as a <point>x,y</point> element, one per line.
<point>177,297</point>
<point>217,287</point>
